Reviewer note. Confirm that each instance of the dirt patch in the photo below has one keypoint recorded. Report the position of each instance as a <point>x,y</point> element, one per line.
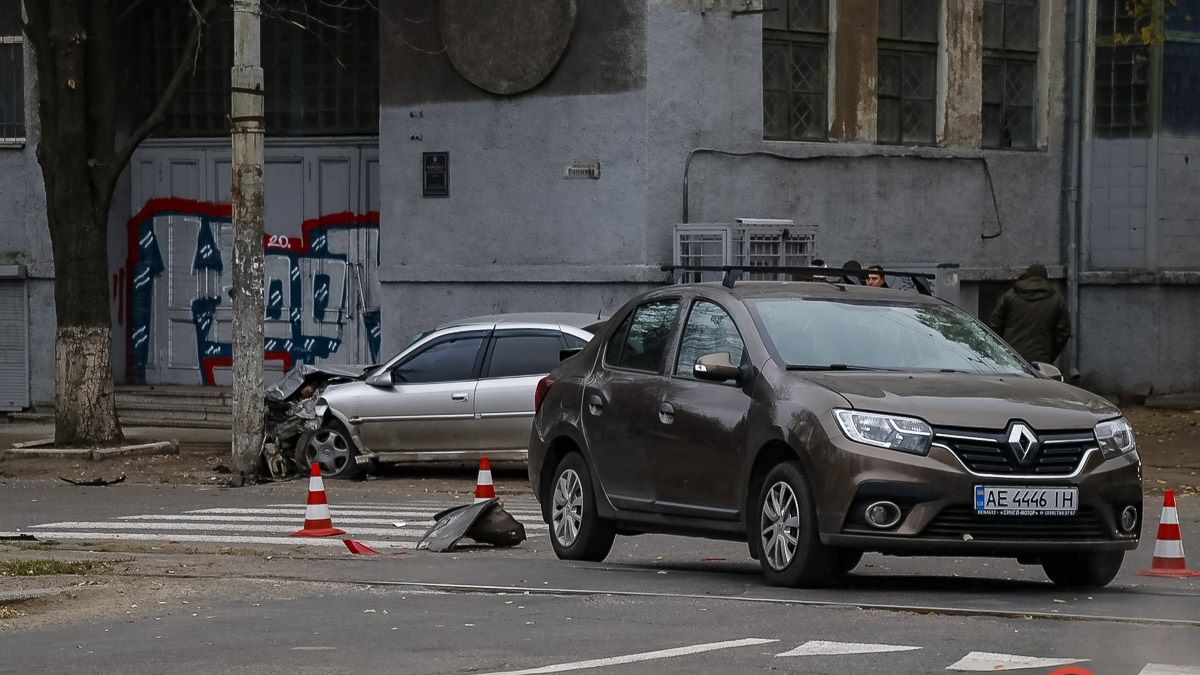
<point>1169,445</point>
<point>185,468</point>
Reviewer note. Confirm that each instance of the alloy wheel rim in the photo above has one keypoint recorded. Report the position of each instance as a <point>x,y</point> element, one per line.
<point>330,450</point>
<point>779,526</point>
<point>567,507</point>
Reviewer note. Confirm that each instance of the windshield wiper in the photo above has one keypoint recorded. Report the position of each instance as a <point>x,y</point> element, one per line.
<point>833,366</point>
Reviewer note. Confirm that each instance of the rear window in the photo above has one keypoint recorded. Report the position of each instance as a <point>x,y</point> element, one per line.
<point>642,339</point>
<point>517,355</point>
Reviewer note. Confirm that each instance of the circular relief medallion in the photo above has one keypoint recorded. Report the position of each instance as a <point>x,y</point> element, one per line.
<point>506,46</point>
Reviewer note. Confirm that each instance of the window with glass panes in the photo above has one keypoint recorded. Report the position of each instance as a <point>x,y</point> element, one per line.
<point>795,80</point>
<point>320,68</point>
<point>1010,73</point>
<point>1122,79</point>
<point>12,72</point>
<point>907,82</point>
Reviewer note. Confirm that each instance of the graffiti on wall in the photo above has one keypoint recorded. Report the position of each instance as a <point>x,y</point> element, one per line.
<point>315,285</point>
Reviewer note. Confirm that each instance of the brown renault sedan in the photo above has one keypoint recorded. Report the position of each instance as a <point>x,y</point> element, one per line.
<point>817,421</point>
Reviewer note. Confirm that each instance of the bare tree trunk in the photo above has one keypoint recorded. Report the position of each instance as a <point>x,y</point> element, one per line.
<point>247,107</point>
<point>77,213</point>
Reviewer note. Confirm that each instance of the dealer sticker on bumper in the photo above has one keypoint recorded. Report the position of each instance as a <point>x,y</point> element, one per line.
<point>1008,500</point>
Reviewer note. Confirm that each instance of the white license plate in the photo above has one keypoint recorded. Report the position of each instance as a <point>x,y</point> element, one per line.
<point>1008,500</point>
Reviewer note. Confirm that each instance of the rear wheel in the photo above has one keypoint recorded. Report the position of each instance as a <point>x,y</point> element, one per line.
<point>1084,570</point>
<point>331,448</point>
<point>789,543</point>
<point>576,530</point>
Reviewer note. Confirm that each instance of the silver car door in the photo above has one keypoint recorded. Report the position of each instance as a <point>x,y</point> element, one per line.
<point>430,405</point>
<point>516,360</point>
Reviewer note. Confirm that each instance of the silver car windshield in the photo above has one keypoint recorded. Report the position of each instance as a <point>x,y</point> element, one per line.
<point>819,334</point>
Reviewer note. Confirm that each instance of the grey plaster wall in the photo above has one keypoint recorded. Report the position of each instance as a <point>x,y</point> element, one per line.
<point>513,228</point>
<point>1177,207</point>
<point>1121,197</point>
<point>1139,334</point>
<point>25,239</point>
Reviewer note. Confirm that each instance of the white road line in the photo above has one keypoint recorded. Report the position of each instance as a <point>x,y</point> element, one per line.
<point>1167,669</point>
<point>222,527</point>
<point>987,662</point>
<point>215,539</point>
<point>436,506</point>
<point>206,517</point>
<point>644,656</point>
<point>824,648</point>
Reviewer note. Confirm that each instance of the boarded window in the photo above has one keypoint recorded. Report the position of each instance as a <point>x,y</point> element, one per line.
<point>320,68</point>
<point>1010,53</point>
<point>907,84</point>
<point>12,72</point>
<point>795,81</point>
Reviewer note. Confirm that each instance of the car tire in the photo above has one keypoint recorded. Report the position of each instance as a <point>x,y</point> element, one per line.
<point>577,532</point>
<point>1084,570</point>
<point>846,560</point>
<point>332,448</point>
<point>785,523</point>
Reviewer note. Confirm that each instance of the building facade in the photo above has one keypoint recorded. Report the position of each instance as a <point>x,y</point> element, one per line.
<point>447,158</point>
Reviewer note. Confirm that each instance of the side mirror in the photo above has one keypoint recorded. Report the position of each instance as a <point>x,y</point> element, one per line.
<point>716,368</point>
<point>1048,371</point>
<point>382,378</point>
<point>564,354</point>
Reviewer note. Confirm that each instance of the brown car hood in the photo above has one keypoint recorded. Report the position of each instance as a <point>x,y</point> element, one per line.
<point>969,400</point>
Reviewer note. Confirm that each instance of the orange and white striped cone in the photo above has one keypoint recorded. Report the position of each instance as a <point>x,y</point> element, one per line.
<point>484,490</point>
<point>317,522</point>
<point>1168,548</point>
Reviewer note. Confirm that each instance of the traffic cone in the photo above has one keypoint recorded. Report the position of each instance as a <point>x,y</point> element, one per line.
<point>317,522</point>
<point>359,548</point>
<point>484,490</point>
<point>1168,548</point>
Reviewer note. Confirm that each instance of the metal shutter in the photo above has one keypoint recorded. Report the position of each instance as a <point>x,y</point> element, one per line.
<point>14,346</point>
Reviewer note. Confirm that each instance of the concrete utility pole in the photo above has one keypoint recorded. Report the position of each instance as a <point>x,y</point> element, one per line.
<point>248,131</point>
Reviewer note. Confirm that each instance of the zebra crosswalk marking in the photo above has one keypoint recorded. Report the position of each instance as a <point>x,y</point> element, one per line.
<point>270,525</point>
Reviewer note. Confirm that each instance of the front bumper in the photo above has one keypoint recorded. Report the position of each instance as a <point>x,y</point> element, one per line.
<point>935,494</point>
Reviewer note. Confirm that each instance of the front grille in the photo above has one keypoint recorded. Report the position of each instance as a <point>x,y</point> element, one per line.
<point>1058,453</point>
<point>955,521</point>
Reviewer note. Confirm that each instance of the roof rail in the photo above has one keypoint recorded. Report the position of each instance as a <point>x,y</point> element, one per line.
<point>734,273</point>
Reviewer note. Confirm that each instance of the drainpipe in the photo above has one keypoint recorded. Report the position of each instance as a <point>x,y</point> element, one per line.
<point>1076,71</point>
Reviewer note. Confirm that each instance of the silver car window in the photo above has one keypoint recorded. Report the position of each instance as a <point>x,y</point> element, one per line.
<point>445,361</point>
<point>527,354</point>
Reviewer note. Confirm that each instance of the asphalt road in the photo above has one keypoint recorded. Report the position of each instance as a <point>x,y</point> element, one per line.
<point>658,604</point>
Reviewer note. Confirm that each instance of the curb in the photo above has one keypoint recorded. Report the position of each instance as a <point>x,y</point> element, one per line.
<point>170,447</point>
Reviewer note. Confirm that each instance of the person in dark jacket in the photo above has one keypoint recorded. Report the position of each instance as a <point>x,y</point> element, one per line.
<point>1032,317</point>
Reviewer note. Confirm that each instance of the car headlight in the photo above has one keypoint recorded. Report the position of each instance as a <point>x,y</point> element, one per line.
<point>906,434</point>
<point>1115,437</point>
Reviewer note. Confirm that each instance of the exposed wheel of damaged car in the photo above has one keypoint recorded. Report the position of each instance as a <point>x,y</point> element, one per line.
<point>576,530</point>
<point>790,546</point>
<point>332,448</point>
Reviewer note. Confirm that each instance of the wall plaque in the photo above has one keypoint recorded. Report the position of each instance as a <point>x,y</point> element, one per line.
<point>436,170</point>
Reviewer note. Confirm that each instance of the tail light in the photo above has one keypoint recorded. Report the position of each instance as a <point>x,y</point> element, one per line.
<point>539,394</point>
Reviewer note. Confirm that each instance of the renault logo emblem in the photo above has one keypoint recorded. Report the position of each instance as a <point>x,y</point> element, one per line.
<point>1023,441</point>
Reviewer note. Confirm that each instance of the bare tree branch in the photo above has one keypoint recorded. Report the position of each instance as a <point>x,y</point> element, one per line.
<point>186,63</point>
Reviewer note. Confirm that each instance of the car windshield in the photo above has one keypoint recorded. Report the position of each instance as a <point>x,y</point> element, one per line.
<point>819,334</point>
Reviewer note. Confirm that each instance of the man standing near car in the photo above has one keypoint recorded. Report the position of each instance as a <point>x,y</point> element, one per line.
<point>1032,317</point>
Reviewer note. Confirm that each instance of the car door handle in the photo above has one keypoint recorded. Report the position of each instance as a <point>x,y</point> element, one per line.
<point>463,396</point>
<point>666,413</point>
<point>595,404</point>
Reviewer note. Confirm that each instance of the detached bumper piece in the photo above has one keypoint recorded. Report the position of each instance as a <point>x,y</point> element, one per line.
<point>485,522</point>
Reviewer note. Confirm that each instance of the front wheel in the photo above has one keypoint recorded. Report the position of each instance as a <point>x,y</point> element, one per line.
<point>1083,570</point>
<point>785,523</point>
<point>576,530</point>
<point>332,448</point>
